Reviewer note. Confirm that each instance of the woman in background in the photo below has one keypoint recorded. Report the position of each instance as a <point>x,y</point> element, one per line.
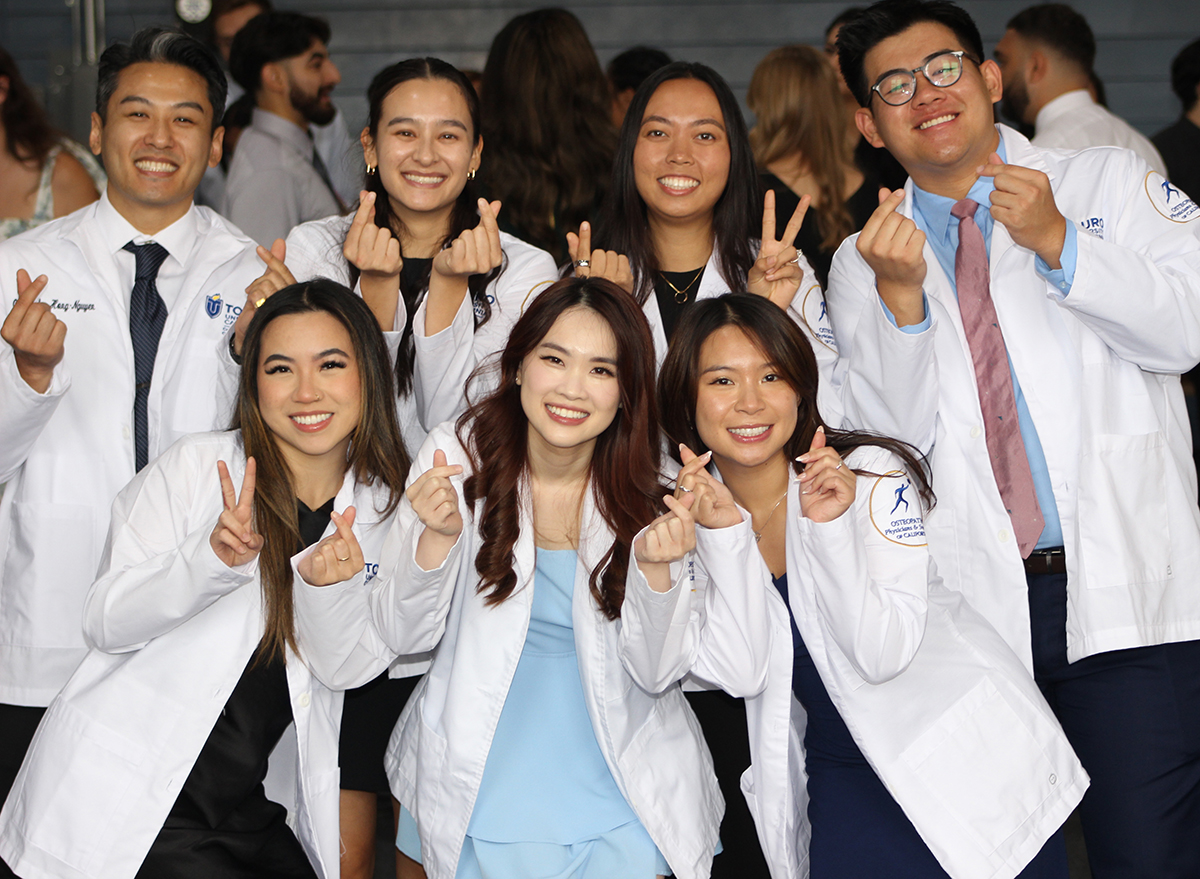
<point>547,126</point>
<point>43,175</point>
<point>800,146</point>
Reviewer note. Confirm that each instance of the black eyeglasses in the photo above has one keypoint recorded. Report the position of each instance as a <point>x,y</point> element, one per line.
<point>897,87</point>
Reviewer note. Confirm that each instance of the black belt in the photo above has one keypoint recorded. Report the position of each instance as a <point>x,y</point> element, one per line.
<point>1052,560</point>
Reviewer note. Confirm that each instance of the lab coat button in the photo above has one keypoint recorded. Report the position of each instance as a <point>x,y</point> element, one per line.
<point>125,432</point>
<point>303,700</point>
<point>1003,535</point>
<point>1053,778</point>
<point>975,432</point>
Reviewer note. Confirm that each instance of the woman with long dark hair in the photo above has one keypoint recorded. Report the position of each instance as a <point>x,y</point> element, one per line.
<point>547,123</point>
<point>150,762</point>
<point>928,750</point>
<point>528,750</point>
<point>684,222</point>
<point>43,175</point>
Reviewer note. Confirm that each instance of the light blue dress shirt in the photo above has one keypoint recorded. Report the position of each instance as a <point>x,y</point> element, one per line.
<point>932,216</point>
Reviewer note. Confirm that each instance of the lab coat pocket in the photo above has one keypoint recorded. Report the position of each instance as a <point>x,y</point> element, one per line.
<point>984,764</point>
<point>54,602</point>
<point>1122,487</point>
<point>82,767</point>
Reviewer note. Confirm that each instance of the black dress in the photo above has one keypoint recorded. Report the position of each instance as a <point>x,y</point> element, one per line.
<point>222,824</point>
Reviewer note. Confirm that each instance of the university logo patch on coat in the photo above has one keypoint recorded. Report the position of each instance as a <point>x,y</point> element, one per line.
<point>1169,200</point>
<point>212,305</point>
<point>896,511</point>
<point>816,315</point>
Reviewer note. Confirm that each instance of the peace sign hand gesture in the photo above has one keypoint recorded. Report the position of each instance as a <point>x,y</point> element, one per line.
<point>335,559</point>
<point>36,335</point>
<point>776,274</point>
<point>234,540</point>
<point>375,252</point>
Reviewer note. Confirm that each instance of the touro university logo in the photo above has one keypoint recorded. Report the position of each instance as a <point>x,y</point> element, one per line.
<point>212,305</point>
<point>895,511</point>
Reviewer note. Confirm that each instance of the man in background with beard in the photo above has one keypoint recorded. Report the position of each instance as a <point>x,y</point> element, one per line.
<point>1046,57</point>
<point>278,179</point>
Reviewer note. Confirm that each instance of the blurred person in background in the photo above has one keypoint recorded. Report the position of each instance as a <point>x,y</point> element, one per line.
<point>43,175</point>
<point>547,122</point>
<point>1179,144</point>
<point>876,162</point>
<point>1046,58</point>
<point>278,179</point>
<point>627,71</point>
<point>800,147</point>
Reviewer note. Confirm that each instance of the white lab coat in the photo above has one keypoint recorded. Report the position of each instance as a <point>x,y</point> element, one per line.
<point>66,453</point>
<point>807,309</point>
<point>943,710</point>
<point>171,630</point>
<point>435,761</point>
<point>443,362</point>
<point>1100,373</point>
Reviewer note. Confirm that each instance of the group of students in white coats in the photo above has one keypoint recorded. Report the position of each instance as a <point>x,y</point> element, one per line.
<point>565,580</point>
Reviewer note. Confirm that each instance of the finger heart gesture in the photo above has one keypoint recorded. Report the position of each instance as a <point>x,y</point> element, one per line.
<point>335,559</point>
<point>827,484</point>
<point>37,337</point>
<point>434,498</point>
<point>669,537</point>
<point>712,505</point>
<point>234,539</point>
<point>275,278</point>
<point>776,274</point>
<point>606,264</point>
<point>475,251</point>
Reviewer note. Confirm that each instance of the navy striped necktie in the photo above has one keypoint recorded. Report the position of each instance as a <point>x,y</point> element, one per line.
<point>147,315</point>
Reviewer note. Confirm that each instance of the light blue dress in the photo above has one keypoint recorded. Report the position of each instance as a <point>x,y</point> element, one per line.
<point>548,805</point>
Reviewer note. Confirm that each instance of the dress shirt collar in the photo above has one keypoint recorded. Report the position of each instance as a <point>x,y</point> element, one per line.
<point>179,238</point>
<point>283,130</point>
<point>935,209</point>
<point>1062,105</point>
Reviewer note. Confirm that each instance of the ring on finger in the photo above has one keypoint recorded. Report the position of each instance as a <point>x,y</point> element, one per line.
<point>582,263</point>
<point>258,303</point>
<point>839,466</point>
<point>340,559</point>
<point>685,488</point>
<point>796,259</point>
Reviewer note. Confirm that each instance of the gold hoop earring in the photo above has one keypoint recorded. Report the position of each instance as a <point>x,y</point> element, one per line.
<point>370,170</point>
<point>471,174</point>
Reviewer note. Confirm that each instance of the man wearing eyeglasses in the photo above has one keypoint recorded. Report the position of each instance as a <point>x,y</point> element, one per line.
<point>1022,316</point>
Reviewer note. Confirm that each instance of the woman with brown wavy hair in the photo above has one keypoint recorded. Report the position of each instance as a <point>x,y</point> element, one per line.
<point>548,128</point>
<point>528,750</point>
<point>42,174</point>
<point>800,146</point>
<point>152,759</point>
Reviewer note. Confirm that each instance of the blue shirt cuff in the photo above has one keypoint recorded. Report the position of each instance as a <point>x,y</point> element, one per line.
<point>1062,279</point>
<point>911,329</point>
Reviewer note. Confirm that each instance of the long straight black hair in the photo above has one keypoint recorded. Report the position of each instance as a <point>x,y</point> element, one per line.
<point>737,215</point>
<point>791,355</point>
<point>464,216</point>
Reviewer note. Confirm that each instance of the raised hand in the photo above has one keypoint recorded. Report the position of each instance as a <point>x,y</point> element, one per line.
<point>892,246</point>
<point>827,484</point>
<point>35,334</point>
<point>335,559</point>
<point>475,251</point>
<point>234,539</point>
<point>776,274</point>
<point>1024,203</point>
<point>668,539</point>
<point>712,504</point>
<point>434,499</point>
<point>375,251</point>
<point>275,278</point>
<point>607,264</point>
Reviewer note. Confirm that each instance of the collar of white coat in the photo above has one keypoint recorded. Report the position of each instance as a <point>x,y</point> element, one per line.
<point>1065,103</point>
<point>115,232</point>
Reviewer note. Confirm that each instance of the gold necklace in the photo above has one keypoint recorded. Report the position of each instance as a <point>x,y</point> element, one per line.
<point>759,533</point>
<point>681,296</point>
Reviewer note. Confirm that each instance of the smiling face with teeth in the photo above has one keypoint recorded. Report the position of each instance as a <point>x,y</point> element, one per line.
<point>942,134</point>
<point>156,142</point>
<point>424,147</point>
<point>681,160</point>
<point>309,389</point>
<point>569,387</point>
<point>745,410</point>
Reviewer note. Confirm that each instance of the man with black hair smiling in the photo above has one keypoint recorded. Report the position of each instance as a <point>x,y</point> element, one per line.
<point>115,344</point>
<point>278,179</point>
<point>1022,316</point>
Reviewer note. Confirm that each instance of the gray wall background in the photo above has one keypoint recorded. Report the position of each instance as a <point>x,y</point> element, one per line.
<point>1136,38</point>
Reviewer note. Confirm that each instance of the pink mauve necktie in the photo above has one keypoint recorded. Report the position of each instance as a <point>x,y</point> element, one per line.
<point>1010,464</point>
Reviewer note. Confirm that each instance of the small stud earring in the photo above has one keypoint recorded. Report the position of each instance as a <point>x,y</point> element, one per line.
<point>518,381</point>
<point>370,170</point>
<point>471,174</point>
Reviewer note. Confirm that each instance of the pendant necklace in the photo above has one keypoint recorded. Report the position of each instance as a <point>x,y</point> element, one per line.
<point>681,296</point>
<point>759,533</point>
